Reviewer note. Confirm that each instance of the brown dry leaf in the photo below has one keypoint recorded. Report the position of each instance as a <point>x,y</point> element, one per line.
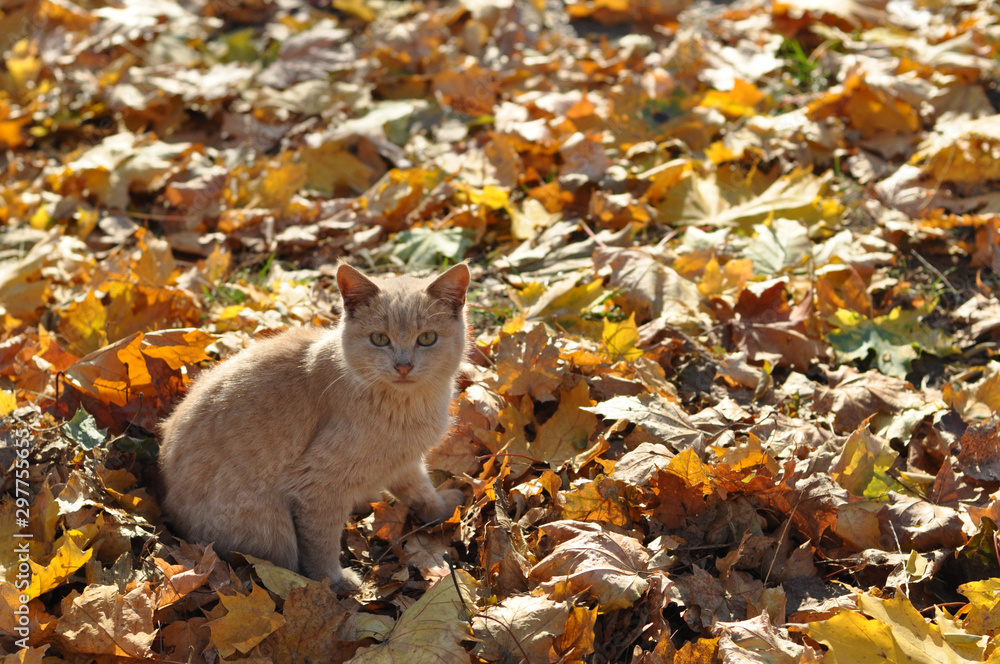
<point>431,630</point>
<point>248,620</point>
<point>646,287</point>
<point>980,455</point>
<point>316,628</point>
<point>429,554</point>
<point>179,580</point>
<point>641,464</point>
<point>853,397</point>
<point>757,641</point>
<point>505,566</point>
<point>765,323</point>
<point>185,640</point>
<point>520,626</point>
<point>103,621</point>
<point>812,505</point>
<point>609,567</point>
<point>704,598</point>
<point>657,415</point>
<point>390,520</point>
<point>978,400</point>
<point>920,525</point>
<point>528,363</point>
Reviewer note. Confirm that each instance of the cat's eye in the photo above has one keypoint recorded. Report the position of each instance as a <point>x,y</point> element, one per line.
<point>427,338</point>
<point>379,339</point>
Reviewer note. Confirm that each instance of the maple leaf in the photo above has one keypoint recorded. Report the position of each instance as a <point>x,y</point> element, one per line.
<point>893,338</point>
<point>620,340</point>
<point>429,631</point>
<point>863,465</point>
<point>316,627</point>
<point>104,621</point>
<point>69,558</point>
<point>587,558</point>
<point>528,363</point>
<point>983,616</point>
<point>655,414</point>
<point>603,500</point>
<point>249,619</point>
<point>520,626</point>
<point>180,581</point>
<point>893,630</point>
<point>566,434</point>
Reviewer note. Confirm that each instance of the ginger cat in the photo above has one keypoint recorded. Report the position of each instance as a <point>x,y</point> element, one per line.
<point>272,449</point>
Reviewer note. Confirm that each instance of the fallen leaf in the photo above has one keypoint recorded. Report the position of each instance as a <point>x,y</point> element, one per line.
<point>104,621</point>
<point>655,414</point>
<point>588,558</point>
<point>520,626</point>
<point>431,630</point>
<point>249,619</point>
<point>316,628</point>
<point>567,433</point>
<point>528,363</point>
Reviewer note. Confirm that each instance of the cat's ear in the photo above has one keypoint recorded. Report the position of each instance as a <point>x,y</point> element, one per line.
<point>451,286</point>
<point>355,287</point>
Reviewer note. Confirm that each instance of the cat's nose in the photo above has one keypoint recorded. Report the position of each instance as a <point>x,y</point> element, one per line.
<point>404,369</point>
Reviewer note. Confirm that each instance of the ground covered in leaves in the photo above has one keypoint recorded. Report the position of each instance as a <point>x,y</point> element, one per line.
<point>734,393</point>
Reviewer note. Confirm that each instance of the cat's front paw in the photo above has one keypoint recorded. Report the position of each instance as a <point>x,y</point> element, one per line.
<point>346,581</point>
<point>443,507</point>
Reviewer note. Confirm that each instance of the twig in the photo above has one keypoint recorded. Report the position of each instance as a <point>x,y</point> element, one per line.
<point>936,271</point>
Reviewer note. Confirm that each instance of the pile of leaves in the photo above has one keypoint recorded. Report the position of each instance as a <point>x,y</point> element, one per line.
<point>734,389</point>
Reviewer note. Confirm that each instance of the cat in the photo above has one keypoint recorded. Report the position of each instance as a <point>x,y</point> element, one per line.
<point>272,449</point>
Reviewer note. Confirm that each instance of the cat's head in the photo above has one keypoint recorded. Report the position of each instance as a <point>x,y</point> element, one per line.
<point>404,333</point>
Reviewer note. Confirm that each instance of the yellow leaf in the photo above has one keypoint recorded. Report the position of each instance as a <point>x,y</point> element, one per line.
<point>86,221</point>
<point>248,621</point>
<point>601,500</point>
<point>620,340</point>
<point>512,440</point>
<point>718,153</point>
<point>687,466</point>
<point>492,197</point>
<point>278,580</point>
<point>567,433</point>
<point>431,630</point>
<point>730,278</point>
<point>40,219</point>
<point>893,631</point>
<point>528,364</point>
<point>984,601</point>
<point>83,324</point>
<point>735,103</point>
<point>67,560</point>
<point>8,402</point>
<point>356,8</point>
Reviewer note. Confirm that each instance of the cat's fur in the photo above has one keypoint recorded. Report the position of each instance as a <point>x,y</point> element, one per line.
<point>272,449</point>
